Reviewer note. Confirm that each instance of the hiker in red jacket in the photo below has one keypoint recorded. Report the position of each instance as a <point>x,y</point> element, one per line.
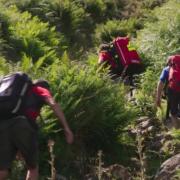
<point>19,134</point>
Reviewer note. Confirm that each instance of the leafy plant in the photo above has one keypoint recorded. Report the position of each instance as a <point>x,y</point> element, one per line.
<point>29,35</point>
<point>113,28</point>
<point>94,106</point>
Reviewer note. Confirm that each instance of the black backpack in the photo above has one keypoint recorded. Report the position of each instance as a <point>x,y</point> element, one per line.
<point>13,89</point>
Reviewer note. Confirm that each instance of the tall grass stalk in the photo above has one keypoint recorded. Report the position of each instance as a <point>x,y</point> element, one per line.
<point>52,159</point>
<point>141,156</point>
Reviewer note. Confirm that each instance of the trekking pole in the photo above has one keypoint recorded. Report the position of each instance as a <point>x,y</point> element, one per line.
<point>124,71</point>
<point>132,86</point>
<point>130,80</point>
<point>167,109</point>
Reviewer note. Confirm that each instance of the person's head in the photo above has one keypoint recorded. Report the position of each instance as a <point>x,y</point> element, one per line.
<point>168,61</point>
<point>42,83</point>
<point>104,47</point>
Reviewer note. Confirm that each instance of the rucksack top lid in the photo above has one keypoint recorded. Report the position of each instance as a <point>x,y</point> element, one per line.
<point>122,40</point>
<point>174,60</point>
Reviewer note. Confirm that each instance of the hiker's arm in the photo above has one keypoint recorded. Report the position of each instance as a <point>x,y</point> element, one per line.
<point>160,87</point>
<point>60,115</point>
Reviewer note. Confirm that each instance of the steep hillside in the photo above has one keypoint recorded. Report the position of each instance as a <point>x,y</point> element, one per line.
<point>58,40</point>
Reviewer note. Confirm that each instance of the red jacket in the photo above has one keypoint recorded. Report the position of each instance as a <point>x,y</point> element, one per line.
<point>34,102</point>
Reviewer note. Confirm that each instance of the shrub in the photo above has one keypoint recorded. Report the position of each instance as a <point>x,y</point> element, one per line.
<point>158,43</point>
<point>113,9</point>
<point>150,4</point>
<point>95,9</point>
<point>146,93</point>
<point>94,106</point>
<point>113,28</point>
<point>29,35</point>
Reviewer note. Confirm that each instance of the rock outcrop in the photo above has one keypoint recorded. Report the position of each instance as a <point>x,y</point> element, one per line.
<point>169,169</point>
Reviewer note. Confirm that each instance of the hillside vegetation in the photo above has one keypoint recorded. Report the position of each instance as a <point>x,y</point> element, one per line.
<point>58,40</point>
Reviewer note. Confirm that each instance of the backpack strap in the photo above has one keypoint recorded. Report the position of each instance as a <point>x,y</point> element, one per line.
<point>116,56</point>
<point>23,91</point>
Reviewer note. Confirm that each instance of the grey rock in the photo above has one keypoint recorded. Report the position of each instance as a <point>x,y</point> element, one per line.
<point>169,168</point>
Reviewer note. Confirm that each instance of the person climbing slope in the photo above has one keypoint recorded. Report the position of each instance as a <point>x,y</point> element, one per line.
<point>18,132</point>
<point>171,75</point>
